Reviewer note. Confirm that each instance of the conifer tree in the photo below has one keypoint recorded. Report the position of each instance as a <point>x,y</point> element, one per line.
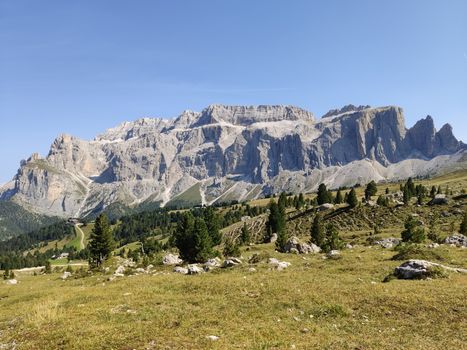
<point>338,199</point>
<point>101,242</point>
<point>412,233</point>
<point>352,199</point>
<point>332,240</point>
<point>276,220</point>
<point>463,226</point>
<point>245,234</point>
<point>183,236</point>
<point>202,242</point>
<point>323,194</point>
<point>317,231</point>
<point>211,218</point>
<point>370,190</point>
<point>406,197</point>
<point>433,192</point>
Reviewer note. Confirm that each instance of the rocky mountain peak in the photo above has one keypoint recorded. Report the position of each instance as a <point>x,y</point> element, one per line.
<point>227,152</point>
<point>345,109</point>
<point>247,115</point>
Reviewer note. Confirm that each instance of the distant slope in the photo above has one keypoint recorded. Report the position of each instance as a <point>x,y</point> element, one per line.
<point>15,220</point>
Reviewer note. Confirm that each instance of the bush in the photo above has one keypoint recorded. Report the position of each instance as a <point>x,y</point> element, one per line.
<point>415,251</point>
<point>258,257</point>
<point>231,248</point>
<point>412,233</point>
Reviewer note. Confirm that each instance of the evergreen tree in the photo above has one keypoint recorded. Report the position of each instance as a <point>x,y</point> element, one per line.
<point>433,192</point>
<point>276,220</point>
<point>211,219</point>
<point>48,267</point>
<point>101,242</point>
<point>245,234</point>
<point>183,237</point>
<point>411,187</point>
<point>332,240</point>
<point>282,202</point>
<point>202,242</point>
<point>231,248</point>
<point>370,190</point>
<point>301,201</point>
<point>382,201</point>
<point>338,199</point>
<point>406,197</point>
<point>352,199</point>
<point>387,190</point>
<point>463,226</point>
<point>317,231</point>
<point>439,190</point>
<point>323,194</point>
<point>412,232</point>
<point>420,199</point>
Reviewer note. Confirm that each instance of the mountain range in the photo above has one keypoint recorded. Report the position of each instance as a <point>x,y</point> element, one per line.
<point>226,153</point>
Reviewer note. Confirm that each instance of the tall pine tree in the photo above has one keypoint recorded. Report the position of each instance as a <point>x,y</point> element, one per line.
<point>317,231</point>
<point>463,227</point>
<point>101,242</point>
<point>352,199</point>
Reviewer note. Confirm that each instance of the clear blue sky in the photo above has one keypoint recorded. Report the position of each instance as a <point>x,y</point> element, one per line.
<point>81,67</point>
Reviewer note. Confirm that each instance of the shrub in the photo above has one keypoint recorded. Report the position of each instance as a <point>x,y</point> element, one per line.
<point>412,233</point>
<point>415,251</point>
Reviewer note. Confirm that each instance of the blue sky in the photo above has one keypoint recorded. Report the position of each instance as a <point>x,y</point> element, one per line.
<point>81,67</point>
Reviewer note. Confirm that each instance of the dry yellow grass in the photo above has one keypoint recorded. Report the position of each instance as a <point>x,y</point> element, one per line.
<point>315,303</point>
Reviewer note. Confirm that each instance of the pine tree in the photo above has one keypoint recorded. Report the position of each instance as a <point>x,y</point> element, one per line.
<point>370,190</point>
<point>387,190</point>
<point>231,248</point>
<point>352,199</point>
<point>382,201</point>
<point>323,194</point>
<point>410,186</point>
<point>439,190</point>
<point>202,242</point>
<point>183,236</point>
<point>406,197</point>
<point>276,220</point>
<point>420,199</point>
<point>101,242</point>
<point>463,226</point>
<point>301,201</point>
<point>211,218</point>
<point>433,192</point>
<point>48,267</point>
<point>338,199</point>
<point>282,202</point>
<point>245,234</point>
<point>317,231</point>
<point>412,232</point>
<point>332,240</point>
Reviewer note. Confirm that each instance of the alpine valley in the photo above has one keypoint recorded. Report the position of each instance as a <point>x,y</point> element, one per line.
<point>227,153</point>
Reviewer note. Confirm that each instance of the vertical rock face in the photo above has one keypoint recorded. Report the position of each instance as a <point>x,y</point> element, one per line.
<point>224,153</point>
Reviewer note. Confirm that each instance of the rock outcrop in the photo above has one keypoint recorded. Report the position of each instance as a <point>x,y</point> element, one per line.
<point>225,151</point>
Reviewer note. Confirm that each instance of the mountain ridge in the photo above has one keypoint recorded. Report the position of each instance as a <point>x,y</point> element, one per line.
<point>230,151</point>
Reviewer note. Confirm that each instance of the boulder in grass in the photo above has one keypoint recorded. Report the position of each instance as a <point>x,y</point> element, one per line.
<point>294,245</point>
<point>194,270</point>
<point>458,240</point>
<point>65,275</point>
<point>11,282</point>
<point>171,259</point>
<point>440,199</point>
<point>388,242</point>
<point>422,269</point>
<point>277,264</point>
<point>181,270</point>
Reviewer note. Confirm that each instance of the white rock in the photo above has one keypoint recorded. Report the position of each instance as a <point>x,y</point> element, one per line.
<point>65,275</point>
<point>213,337</point>
<point>277,264</point>
<point>417,269</point>
<point>182,270</point>
<point>11,282</point>
<point>458,240</point>
<point>194,270</point>
<point>388,242</point>
<point>171,259</point>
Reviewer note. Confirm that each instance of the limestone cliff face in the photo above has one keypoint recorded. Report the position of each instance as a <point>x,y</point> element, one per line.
<point>229,152</point>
